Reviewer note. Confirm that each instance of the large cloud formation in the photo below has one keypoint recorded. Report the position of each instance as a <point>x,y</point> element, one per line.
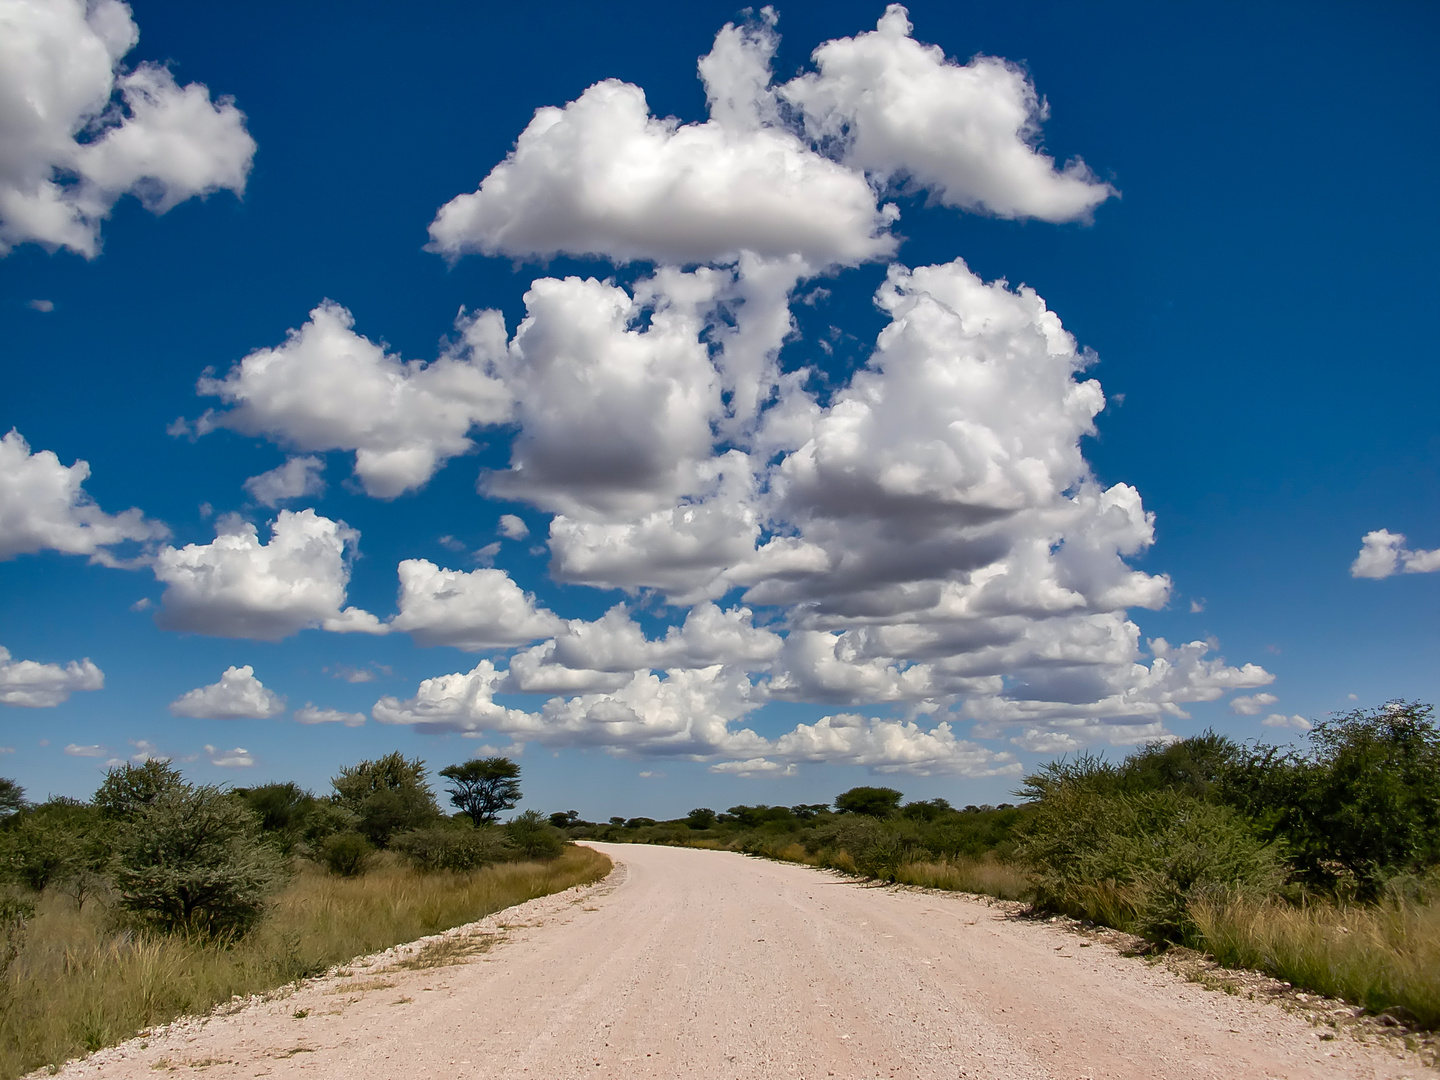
<point>899,110</point>
<point>923,538</point>
<point>927,536</point>
<point>603,176</point>
<point>78,130</point>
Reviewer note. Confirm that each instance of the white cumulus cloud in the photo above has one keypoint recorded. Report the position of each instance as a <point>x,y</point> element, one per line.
<point>40,686</point>
<point>1383,553</point>
<point>238,587</point>
<point>925,533</point>
<point>968,133</point>
<point>78,130</point>
<point>752,767</point>
<point>239,695</point>
<point>603,176</point>
<point>329,388</point>
<point>44,506</point>
<point>481,609</point>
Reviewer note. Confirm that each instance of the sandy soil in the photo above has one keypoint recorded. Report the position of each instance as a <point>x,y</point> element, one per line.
<point>694,963</point>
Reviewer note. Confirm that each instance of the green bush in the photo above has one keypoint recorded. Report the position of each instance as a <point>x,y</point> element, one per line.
<point>450,848</point>
<point>533,837</point>
<point>326,818</point>
<point>345,854</point>
<point>1138,860</point>
<point>282,810</point>
<point>1361,806</point>
<point>388,795</point>
<point>127,790</point>
<point>880,802</point>
<point>874,848</point>
<point>15,913</point>
<point>702,817</point>
<point>62,843</point>
<point>190,860</point>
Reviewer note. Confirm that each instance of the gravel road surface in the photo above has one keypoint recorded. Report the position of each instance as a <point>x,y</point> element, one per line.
<point>689,963</point>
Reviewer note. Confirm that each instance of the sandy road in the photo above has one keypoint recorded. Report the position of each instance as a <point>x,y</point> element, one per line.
<point>705,964</point>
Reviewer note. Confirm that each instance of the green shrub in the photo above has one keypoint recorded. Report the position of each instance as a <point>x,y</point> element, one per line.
<point>190,860</point>
<point>388,795</point>
<point>127,790</point>
<point>450,848</point>
<point>1362,806</point>
<point>702,817</point>
<point>533,837</point>
<point>282,810</point>
<point>877,802</point>
<point>1138,860</point>
<point>61,843</point>
<point>861,844</point>
<point>325,819</point>
<point>15,913</point>
<point>345,854</point>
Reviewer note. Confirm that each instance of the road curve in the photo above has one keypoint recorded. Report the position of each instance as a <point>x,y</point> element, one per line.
<point>692,963</point>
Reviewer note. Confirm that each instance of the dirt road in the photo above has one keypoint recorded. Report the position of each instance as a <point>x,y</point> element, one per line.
<point>706,964</point>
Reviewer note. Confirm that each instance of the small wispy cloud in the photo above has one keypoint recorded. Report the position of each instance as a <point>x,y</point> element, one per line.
<point>1253,705</point>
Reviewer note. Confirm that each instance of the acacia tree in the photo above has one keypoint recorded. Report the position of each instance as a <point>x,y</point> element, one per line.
<point>877,802</point>
<point>483,787</point>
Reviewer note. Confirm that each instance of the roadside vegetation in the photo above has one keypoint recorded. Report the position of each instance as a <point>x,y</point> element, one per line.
<point>1319,865</point>
<point>159,897</point>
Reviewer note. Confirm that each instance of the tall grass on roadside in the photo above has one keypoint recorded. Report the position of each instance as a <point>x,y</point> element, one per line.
<point>1377,956</point>
<point>78,983</point>
<point>986,876</point>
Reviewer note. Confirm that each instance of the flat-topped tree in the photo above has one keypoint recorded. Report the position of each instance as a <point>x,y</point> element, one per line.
<point>877,802</point>
<point>483,787</point>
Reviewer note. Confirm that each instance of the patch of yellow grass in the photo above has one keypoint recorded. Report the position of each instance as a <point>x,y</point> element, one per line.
<point>985,876</point>
<point>1382,957</point>
<point>79,984</point>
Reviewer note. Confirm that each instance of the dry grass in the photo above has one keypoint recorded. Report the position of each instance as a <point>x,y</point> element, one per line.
<point>1384,957</point>
<point>79,983</point>
<point>986,876</point>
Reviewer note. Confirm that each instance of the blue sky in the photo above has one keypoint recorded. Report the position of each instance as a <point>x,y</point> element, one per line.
<point>929,562</point>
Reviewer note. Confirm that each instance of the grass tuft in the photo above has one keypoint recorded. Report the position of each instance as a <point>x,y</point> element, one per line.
<point>1383,957</point>
<point>988,877</point>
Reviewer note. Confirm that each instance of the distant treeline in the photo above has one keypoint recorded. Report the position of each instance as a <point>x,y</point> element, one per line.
<point>1354,815</point>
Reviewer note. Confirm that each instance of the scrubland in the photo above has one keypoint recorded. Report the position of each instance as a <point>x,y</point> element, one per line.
<point>159,898</point>
<point>1318,865</point>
